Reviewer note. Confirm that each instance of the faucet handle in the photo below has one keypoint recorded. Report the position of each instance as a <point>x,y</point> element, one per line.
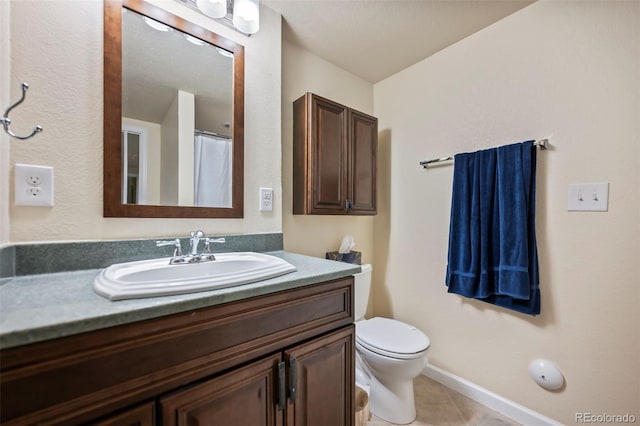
<point>208,241</point>
<point>176,243</point>
<point>206,254</point>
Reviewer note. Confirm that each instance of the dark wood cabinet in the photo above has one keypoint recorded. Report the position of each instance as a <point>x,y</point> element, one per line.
<point>363,130</point>
<point>334,158</point>
<point>307,385</point>
<point>245,396</point>
<point>143,415</point>
<point>286,358</point>
<point>320,373</point>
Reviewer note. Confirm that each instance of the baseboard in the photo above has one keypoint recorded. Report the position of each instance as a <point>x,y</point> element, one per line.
<point>517,412</point>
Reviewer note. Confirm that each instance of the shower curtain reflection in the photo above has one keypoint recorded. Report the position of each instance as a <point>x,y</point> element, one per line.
<point>213,171</point>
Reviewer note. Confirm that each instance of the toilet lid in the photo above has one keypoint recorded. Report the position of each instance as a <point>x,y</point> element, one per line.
<point>388,336</point>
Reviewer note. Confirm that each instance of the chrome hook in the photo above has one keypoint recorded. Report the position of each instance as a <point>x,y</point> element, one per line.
<point>6,121</point>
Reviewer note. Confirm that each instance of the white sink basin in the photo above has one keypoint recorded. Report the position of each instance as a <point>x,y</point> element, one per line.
<point>156,277</point>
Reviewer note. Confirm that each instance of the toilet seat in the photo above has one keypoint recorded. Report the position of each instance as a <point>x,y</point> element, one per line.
<point>391,338</point>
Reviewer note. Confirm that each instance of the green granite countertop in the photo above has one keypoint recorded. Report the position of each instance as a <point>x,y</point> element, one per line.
<point>36,308</point>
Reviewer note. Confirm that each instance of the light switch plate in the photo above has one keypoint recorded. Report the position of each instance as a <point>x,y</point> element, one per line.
<point>588,197</point>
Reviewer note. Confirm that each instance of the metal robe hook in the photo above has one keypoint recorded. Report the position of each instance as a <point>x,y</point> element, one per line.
<point>6,121</point>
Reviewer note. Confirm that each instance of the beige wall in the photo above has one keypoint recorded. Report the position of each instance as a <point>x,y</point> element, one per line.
<point>302,72</point>
<point>64,69</point>
<point>568,71</point>
<point>5,55</point>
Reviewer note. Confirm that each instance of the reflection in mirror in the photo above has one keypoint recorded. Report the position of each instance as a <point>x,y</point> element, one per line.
<point>184,87</point>
<point>213,180</point>
<point>134,165</point>
<point>180,144</point>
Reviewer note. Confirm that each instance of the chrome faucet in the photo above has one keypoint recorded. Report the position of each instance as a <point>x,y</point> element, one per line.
<point>193,256</point>
<point>177,252</point>
<point>206,254</point>
<point>196,236</point>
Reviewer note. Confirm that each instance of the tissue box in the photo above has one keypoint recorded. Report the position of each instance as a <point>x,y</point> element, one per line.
<point>354,257</point>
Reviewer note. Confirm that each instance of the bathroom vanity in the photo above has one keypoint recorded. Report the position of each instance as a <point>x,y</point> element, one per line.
<point>282,355</point>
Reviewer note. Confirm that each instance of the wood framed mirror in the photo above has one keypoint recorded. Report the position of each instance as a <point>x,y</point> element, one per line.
<point>157,169</point>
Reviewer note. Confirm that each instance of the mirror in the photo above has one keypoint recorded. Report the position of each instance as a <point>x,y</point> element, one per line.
<point>173,116</point>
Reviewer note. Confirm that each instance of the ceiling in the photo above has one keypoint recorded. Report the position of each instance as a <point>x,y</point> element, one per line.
<point>375,39</point>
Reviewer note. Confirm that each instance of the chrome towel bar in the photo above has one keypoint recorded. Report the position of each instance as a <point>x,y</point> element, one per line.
<point>542,143</point>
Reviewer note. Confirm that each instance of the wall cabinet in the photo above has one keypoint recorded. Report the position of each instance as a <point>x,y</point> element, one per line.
<point>280,359</point>
<point>334,158</point>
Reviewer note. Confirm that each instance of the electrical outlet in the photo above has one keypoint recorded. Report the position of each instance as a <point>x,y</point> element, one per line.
<point>33,185</point>
<point>266,199</point>
<point>34,191</point>
<point>34,179</point>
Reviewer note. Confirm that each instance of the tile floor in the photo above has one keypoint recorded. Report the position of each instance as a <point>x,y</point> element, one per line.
<point>438,405</point>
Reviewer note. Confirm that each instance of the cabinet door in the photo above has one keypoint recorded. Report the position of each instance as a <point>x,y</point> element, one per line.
<point>320,155</point>
<point>246,396</point>
<point>138,416</point>
<point>363,137</point>
<point>322,381</point>
<point>329,156</point>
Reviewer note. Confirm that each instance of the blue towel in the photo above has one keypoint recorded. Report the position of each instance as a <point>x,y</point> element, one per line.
<point>492,241</point>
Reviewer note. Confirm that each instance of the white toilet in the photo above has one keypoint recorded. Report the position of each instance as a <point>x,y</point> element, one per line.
<point>389,355</point>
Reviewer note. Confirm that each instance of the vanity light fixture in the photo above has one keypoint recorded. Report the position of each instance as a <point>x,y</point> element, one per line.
<point>224,53</point>
<point>213,8</point>
<point>243,15</point>
<point>246,15</point>
<point>159,26</point>
<point>191,39</point>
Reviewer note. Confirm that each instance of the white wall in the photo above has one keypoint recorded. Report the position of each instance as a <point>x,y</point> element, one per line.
<point>170,155</point>
<point>302,72</point>
<point>568,71</point>
<point>186,147</point>
<point>154,132</point>
<point>61,58</point>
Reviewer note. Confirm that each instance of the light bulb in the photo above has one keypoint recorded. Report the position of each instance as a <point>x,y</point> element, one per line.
<point>225,53</point>
<point>191,39</point>
<point>213,8</point>
<point>159,26</point>
<point>246,15</point>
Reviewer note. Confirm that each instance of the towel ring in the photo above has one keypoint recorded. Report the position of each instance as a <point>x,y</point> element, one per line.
<point>6,121</point>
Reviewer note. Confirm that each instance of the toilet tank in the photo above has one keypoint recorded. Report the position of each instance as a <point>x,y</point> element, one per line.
<point>362,287</point>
